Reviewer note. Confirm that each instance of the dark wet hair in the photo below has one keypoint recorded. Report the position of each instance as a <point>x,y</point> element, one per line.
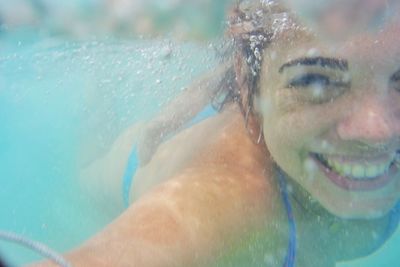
<point>252,26</point>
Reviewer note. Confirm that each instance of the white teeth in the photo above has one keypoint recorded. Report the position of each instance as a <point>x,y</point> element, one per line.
<point>358,170</point>
<point>372,171</point>
<point>382,168</point>
<point>347,170</point>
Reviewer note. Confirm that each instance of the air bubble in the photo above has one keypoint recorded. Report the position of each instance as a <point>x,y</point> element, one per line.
<point>310,166</point>
<point>313,52</point>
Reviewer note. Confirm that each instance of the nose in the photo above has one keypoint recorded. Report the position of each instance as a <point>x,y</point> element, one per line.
<point>376,119</point>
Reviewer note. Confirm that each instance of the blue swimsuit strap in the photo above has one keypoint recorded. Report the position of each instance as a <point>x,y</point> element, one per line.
<point>394,221</point>
<point>133,161</point>
<point>291,251</point>
<point>133,164</point>
<point>130,170</point>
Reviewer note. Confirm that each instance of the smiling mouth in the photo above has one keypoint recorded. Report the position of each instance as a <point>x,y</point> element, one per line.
<point>359,174</point>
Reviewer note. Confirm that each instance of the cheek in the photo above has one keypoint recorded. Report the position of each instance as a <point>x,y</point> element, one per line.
<point>284,144</point>
<point>288,155</point>
<point>292,130</point>
<point>289,137</point>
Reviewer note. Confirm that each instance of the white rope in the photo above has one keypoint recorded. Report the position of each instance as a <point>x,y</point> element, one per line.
<point>35,246</point>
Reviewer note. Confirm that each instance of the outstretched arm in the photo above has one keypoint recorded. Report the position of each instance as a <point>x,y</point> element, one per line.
<point>196,217</point>
<point>179,111</point>
<point>103,177</point>
<point>177,226</point>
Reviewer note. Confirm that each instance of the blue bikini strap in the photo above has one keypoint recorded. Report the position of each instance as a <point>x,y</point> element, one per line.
<point>291,251</point>
<point>131,167</point>
<point>133,161</point>
<point>394,221</point>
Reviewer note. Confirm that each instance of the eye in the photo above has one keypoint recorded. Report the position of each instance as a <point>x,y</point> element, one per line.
<point>319,88</point>
<point>395,81</point>
<point>310,79</point>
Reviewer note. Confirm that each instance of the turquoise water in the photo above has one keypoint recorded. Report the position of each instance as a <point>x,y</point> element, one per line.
<point>62,103</point>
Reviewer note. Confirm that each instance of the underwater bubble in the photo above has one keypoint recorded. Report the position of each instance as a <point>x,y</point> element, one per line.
<point>325,145</point>
<point>313,52</point>
<point>265,105</point>
<point>253,39</point>
<point>311,199</point>
<point>310,166</point>
<point>249,59</point>
<point>260,13</point>
<point>346,77</point>
<point>289,188</point>
<point>318,91</point>
<point>273,55</point>
<point>166,52</point>
<point>257,54</point>
<point>374,235</point>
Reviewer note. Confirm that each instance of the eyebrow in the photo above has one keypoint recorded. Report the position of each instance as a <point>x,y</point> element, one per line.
<point>332,63</point>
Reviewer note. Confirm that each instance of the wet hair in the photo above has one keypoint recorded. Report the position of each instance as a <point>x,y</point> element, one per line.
<point>252,26</point>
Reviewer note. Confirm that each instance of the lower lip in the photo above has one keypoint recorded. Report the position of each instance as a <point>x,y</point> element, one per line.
<point>358,185</point>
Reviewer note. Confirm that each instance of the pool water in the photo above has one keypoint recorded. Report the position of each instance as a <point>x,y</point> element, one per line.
<point>62,103</point>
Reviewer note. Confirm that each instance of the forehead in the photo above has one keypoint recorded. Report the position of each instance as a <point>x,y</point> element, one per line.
<point>375,49</point>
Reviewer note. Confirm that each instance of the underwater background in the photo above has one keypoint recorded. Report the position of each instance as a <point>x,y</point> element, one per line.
<point>73,76</point>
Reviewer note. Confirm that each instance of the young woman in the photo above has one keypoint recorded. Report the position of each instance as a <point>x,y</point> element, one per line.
<point>300,168</point>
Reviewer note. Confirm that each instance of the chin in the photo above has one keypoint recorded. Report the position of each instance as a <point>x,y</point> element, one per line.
<point>355,208</point>
<point>350,190</point>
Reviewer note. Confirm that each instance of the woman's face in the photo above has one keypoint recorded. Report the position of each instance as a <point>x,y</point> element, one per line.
<point>331,117</point>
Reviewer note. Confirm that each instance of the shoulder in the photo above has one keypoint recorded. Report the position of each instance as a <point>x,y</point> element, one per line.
<point>216,160</point>
<point>221,142</point>
<point>221,191</point>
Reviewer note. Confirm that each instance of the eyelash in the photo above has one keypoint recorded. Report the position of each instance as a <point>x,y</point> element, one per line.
<point>309,79</point>
<point>317,88</point>
<point>314,79</point>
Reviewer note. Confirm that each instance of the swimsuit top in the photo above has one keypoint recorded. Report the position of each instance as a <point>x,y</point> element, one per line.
<point>291,250</point>
<point>133,161</point>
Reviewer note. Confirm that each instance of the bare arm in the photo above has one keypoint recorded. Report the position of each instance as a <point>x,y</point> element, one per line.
<point>194,217</point>
<point>102,179</point>
<point>180,110</point>
<point>178,226</point>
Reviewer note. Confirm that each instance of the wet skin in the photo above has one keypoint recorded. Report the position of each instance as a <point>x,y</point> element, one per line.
<point>219,207</point>
<point>220,204</point>
<point>339,103</point>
